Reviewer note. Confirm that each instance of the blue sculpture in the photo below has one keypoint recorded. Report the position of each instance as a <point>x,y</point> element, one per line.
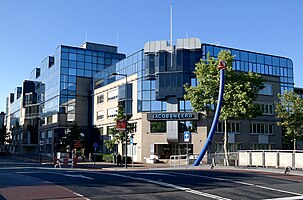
<point>221,67</point>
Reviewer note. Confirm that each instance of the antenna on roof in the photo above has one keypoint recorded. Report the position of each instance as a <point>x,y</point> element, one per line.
<point>117,40</point>
<point>186,34</point>
<point>86,34</point>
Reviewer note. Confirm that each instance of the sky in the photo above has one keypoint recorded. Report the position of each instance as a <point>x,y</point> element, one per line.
<point>31,30</point>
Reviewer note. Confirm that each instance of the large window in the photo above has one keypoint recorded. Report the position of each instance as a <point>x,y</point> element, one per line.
<point>112,112</point>
<point>158,127</point>
<point>232,127</point>
<point>232,147</point>
<point>190,126</point>
<point>266,109</point>
<point>261,128</point>
<point>112,95</point>
<point>267,90</point>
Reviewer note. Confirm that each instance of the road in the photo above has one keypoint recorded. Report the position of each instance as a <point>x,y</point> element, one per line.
<point>23,180</point>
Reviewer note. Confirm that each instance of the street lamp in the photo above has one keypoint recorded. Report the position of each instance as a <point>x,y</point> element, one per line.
<point>125,110</point>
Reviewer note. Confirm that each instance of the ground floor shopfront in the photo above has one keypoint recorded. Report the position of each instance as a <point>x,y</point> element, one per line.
<point>148,143</point>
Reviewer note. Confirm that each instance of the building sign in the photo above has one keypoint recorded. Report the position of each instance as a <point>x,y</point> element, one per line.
<point>172,116</point>
<point>121,125</point>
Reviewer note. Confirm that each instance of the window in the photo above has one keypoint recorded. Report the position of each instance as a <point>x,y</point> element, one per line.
<point>112,112</point>
<point>49,119</point>
<point>232,127</point>
<point>261,128</point>
<point>100,98</point>
<point>193,82</point>
<point>112,95</point>
<point>49,134</point>
<point>232,147</point>
<point>267,90</point>
<point>100,115</point>
<point>266,109</point>
<point>190,126</point>
<point>158,127</point>
<point>132,127</point>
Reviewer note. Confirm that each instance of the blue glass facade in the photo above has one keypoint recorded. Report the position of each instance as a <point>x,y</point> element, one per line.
<point>156,81</point>
<point>61,89</point>
<point>260,63</point>
<point>135,63</point>
<point>59,74</point>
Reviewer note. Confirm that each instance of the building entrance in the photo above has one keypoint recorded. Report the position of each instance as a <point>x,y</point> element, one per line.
<point>164,151</point>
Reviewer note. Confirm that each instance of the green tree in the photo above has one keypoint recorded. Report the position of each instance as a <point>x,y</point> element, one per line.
<point>117,135</point>
<point>240,92</point>
<point>289,109</point>
<point>73,134</point>
<point>3,135</point>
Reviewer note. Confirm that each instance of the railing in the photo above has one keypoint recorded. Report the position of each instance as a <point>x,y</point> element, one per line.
<point>178,160</point>
<point>271,158</point>
<point>211,159</point>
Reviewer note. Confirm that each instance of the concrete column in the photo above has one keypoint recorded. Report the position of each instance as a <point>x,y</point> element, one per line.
<point>172,126</point>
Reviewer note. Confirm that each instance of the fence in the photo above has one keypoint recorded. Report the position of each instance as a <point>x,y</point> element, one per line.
<point>214,159</point>
<point>271,158</point>
<point>178,160</point>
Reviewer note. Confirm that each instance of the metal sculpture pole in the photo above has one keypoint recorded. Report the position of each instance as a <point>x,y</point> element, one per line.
<point>221,67</point>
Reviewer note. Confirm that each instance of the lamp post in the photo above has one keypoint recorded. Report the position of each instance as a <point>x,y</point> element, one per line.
<point>125,110</point>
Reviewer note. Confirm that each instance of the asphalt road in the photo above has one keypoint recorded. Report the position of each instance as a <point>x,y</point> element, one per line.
<point>23,180</point>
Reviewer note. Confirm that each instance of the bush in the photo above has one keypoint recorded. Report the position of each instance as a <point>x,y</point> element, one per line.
<point>108,158</point>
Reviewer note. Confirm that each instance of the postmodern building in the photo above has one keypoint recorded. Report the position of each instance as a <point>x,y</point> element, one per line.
<point>56,94</point>
<point>154,79</point>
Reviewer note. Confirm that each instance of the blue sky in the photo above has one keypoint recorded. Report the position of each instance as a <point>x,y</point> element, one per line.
<point>31,30</point>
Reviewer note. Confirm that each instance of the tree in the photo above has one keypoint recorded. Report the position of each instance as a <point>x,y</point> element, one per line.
<point>117,135</point>
<point>289,109</point>
<point>240,92</point>
<point>73,134</point>
<point>3,135</point>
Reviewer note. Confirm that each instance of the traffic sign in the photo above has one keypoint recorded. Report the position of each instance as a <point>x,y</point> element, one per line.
<point>131,140</point>
<point>186,136</point>
<point>96,145</point>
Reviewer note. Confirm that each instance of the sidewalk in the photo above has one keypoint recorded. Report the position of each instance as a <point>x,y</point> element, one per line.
<point>112,166</point>
<point>47,161</point>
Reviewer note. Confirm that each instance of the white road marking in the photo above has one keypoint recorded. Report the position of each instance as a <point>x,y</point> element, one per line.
<point>82,196</point>
<point>154,173</point>
<point>78,176</point>
<point>287,198</point>
<point>242,183</point>
<point>173,186</point>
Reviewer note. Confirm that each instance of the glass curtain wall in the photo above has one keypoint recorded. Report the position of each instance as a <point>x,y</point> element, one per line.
<point>264,64</point>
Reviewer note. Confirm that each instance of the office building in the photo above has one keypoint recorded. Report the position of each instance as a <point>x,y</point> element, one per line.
<point>155,98</point>
<point>56,94</point>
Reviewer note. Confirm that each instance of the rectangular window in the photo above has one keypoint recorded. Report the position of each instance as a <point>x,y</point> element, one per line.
<point>267,90</point>
<point>266,109</point>
<point>100,98</point>
<point>158,127</point>
<point>190,126</point>
<point>261,128</point>
<point>100,115</point>
<point>232,127</point>
<point>112,112</point>
<point>112,95</point>
<point>193,82</point>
